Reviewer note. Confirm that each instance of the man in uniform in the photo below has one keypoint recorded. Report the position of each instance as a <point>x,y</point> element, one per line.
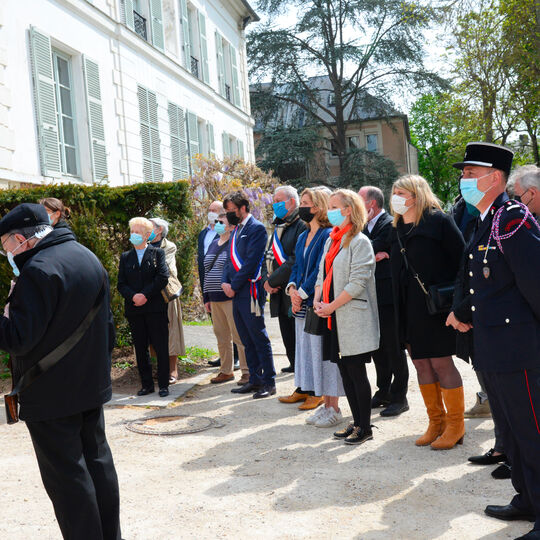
<point>503,308</point>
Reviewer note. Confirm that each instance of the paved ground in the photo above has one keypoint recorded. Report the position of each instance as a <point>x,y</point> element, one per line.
<point>266,474</point>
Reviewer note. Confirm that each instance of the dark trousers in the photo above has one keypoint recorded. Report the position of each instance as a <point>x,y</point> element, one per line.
<point>151,329</point>
<point>515,400</point>
<point>252,332</point>
<point>499,445</point>
<point>390,361</point>
<point>357,389</point>
<point>288,332</point>
<point>78,473</point>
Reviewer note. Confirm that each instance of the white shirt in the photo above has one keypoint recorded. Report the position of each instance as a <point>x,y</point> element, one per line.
<point>485,213</point>
<point>373,220</point>
<point>209,238</point>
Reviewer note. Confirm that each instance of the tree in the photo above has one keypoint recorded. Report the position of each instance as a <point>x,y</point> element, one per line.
<point>363,47</point>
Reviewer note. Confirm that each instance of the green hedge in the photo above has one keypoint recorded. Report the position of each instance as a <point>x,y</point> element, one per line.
<point>99,218</point>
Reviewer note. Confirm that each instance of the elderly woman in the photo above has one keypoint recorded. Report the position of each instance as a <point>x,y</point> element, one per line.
<point>174,311</point>
<point>426,247</point>
<point>345,296</point>
<point>142,275</point>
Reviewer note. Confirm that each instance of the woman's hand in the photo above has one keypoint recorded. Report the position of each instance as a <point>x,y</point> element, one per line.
<point>139,299</point>
<point>323,310</point>
<point>208,307</point>
<point>453,321</point>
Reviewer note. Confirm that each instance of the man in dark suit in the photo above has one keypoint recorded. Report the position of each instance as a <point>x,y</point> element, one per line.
<point>390,361</point>
<point>242,282</point>
<point>280,258</point>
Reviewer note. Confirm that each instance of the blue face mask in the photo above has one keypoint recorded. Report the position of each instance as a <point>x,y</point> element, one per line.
<point>279,209</point>
<point>152,236</point>
<point>469,190</point>
<point>51,219</point>
<point>136,239</point>
<point>16,270</point>
<point>335,217</point>
<point>219,228</point>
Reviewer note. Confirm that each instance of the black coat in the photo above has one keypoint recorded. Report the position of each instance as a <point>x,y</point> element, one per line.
<point>59,282</point>
<point>201,254</point>
<point>434,248</point>
<point>148,278</point>
<point>380,240</point>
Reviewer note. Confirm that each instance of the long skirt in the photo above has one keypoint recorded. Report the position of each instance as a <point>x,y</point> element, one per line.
<point>176,332</point>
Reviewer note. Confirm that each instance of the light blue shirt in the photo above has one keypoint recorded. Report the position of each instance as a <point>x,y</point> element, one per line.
<point>209,238</point>
<point>140,254</point>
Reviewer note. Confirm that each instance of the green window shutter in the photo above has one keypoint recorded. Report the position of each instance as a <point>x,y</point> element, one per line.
<point>178,142</point>
<point>211,142</point>
<point>203,48</point>
<point>226,144</point>
<point>240,149</point>
<point>149,135</point>
<point>45,100</point>
<point>156,16</point>
<point>193,134</point>
<point>220,64</point>
<point>96,129</point>
<point>126,9</point>
<point>185,34</point>
<point>234,72</point>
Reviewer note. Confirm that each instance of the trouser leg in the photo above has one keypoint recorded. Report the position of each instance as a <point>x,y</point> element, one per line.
<point>498,445</point>
<point>240,352</point>
<point>242,318</point>
<point>357,390</point>
<point>288,334</point>
<point>223,335</point>
<point>158,329</point>
<point>139,334</point>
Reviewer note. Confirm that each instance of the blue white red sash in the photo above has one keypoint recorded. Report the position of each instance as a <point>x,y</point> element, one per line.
<point>277,249</point>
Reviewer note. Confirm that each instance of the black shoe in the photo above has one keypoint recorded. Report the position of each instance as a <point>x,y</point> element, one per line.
<point>163,392</point>
<point>531,535</point>
<point>288,369</point>
<point>145,391</point>
<point>488,458</point>
<point>395,409</point>
<point>265,391</point>
<point>215,363</point>
<point>344,433</point>
<point>246,389</point>
<point>508,513</point>
<point>236,365</point>
<point>377,402</point>
<point>359,436</point>
<point>502,472</point>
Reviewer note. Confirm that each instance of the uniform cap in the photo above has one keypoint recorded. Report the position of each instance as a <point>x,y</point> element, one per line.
<point>487,155</point>
<point>22,216</point>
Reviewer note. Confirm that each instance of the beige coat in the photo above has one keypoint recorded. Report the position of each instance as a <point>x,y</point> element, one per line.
<point>354,272</point>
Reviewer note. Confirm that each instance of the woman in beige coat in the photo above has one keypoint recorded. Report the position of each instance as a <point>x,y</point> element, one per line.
<point>176,332</point>
<point>345,296</point>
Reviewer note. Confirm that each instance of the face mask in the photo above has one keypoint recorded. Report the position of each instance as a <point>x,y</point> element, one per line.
<point>219,228</point>
<point>335,217</point>
<point>280,210</point>
<point>136,239</point>
<point>152,236</point>
<point>10,256</point>
<point>51,219</point>
<point>212,217</point>
<point>305,213</point>
<point>469,190</point>
<point>232,218</point>
<point>398,204</point>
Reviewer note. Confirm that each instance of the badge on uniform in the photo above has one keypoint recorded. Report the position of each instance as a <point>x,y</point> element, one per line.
<point>485,271</point>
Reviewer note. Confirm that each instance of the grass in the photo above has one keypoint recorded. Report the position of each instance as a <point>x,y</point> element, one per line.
<point>205,322</point>
<point>195,355</point>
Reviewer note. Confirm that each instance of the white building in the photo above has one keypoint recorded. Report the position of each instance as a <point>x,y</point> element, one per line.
<point>120,90</point>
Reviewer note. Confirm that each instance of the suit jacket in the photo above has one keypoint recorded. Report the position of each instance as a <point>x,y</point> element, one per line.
<point>380,240</point>
<point>148,278</point>
<point>250,244</point>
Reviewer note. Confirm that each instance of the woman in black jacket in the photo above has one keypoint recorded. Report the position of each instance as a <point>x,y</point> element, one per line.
<point>426,242</point>
<point>142,275</point>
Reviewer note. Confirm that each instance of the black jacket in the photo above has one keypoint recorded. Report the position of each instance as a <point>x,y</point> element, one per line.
<point>59,282</point>
<point>380,240</point>
<point>148,278</point>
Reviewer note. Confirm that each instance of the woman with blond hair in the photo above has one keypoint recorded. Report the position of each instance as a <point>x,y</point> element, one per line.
<point>345,296</point>
<point>142,275</point>
<point>426,250</point>
<point>313,377</point>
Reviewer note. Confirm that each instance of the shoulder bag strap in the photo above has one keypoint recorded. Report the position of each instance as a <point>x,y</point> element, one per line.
<point>409,266</point>
<point>218,253</point>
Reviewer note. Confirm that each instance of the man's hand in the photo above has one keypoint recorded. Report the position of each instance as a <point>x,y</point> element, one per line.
<point>139,299</point>
<point>453,321</point>
<point>381,255</point>
<point>228,290</point>
<point>207,307</point>
<point>269,289</point>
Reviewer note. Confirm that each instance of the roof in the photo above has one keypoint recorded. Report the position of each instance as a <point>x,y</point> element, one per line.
<point>253,17</point>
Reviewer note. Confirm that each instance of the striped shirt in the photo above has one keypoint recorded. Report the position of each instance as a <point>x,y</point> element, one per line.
<point>213,270</point>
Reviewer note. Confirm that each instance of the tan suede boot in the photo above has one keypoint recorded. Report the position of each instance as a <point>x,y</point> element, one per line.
<point>435,409</point>
<point>455,426</point>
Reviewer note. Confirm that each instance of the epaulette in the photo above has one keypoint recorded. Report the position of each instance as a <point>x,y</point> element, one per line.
<point>510,207</point>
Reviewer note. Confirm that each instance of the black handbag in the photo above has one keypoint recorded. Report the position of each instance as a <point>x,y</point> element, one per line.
<point>314,324</point>
<point>439,297</point>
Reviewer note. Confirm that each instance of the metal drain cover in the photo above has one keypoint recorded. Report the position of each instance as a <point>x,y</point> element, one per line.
<point>177,424</point>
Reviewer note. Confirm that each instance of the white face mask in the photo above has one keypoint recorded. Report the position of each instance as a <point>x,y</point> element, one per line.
<point>212,217</point>
<point>398,204</point>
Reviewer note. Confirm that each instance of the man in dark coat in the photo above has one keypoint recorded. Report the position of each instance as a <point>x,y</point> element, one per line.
<point>390,360</point>
<point>59,283</point>
<point>503,309</point>
<point>280,257</point>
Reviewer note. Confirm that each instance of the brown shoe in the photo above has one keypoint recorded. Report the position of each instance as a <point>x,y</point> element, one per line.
<point>244,379</point>
<point>294,397</point>
<point>222,377</point>
<point>312,402</point>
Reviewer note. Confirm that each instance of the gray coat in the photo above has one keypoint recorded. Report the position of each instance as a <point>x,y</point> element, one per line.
<point>354,272</point>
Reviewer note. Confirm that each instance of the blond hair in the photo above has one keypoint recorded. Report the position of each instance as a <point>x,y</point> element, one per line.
<point>143,222</point>
<point>320,199</point>
<point>358,216</point>
<point>421,191</point>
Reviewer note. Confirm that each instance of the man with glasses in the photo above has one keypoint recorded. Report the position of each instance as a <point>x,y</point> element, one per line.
<point>525,183</point>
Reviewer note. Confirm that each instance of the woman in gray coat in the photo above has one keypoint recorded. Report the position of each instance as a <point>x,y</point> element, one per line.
<point>345,296</point>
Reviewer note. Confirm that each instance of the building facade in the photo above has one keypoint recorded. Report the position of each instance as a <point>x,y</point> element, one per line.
<point>121,91</point>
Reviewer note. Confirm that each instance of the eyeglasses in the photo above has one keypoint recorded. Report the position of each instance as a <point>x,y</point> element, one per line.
<point>3,251</point>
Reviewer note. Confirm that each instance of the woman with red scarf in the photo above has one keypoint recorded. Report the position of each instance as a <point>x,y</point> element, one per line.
<point>345,296</point>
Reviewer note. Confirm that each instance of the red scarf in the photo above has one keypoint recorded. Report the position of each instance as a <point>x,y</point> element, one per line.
<point>336,235</point>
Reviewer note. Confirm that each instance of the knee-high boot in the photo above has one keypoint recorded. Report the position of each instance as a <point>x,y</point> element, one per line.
<point>455,425</point>
<point>435,410</point>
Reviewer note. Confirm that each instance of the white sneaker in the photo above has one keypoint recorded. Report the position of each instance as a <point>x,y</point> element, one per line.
<point>331,418</point>
<point>320,412</point>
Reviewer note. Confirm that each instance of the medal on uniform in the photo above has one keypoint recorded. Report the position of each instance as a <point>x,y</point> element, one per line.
<point>485,271</point>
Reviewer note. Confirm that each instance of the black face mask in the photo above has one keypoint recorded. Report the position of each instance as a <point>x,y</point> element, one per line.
<point>305,213</point>
<point>232,218</point>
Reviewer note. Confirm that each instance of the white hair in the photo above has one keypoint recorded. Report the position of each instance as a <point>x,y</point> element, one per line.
<point>528,177</point>
<point>161,223</point>
<point>291,193</point>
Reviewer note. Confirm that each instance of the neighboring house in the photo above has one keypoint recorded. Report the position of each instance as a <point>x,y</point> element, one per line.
<point>373,126</point>
<point>122,91</point>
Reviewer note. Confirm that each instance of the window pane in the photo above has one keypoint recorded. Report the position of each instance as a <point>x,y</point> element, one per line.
<point>371,143</point>
<point>65,99</point>
<point>63,73</point>
<point>71,161</point>
<point>69,136</point>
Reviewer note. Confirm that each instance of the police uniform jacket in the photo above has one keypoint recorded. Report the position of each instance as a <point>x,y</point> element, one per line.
<point>58,285</point>
<point>501,298</point>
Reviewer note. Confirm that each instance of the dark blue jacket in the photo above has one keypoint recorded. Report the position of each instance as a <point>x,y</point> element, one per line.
<point>305,269</point>
<point>201,254</point>
<point>251,245</point>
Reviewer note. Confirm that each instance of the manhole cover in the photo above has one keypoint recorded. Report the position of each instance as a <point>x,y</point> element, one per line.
<point>178,424</point>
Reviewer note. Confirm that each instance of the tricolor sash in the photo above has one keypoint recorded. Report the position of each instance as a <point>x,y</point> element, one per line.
<point>277,249</point>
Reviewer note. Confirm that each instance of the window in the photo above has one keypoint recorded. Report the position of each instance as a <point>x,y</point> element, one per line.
<point>145,18</point>
<point>179,150</point>
<point>227,65</point>
<point>333,147</point>
<point>354,141</point>
<point>194,43</point>
<point>151,153</point>
<point>372,144</point>
<point>232,147</point>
